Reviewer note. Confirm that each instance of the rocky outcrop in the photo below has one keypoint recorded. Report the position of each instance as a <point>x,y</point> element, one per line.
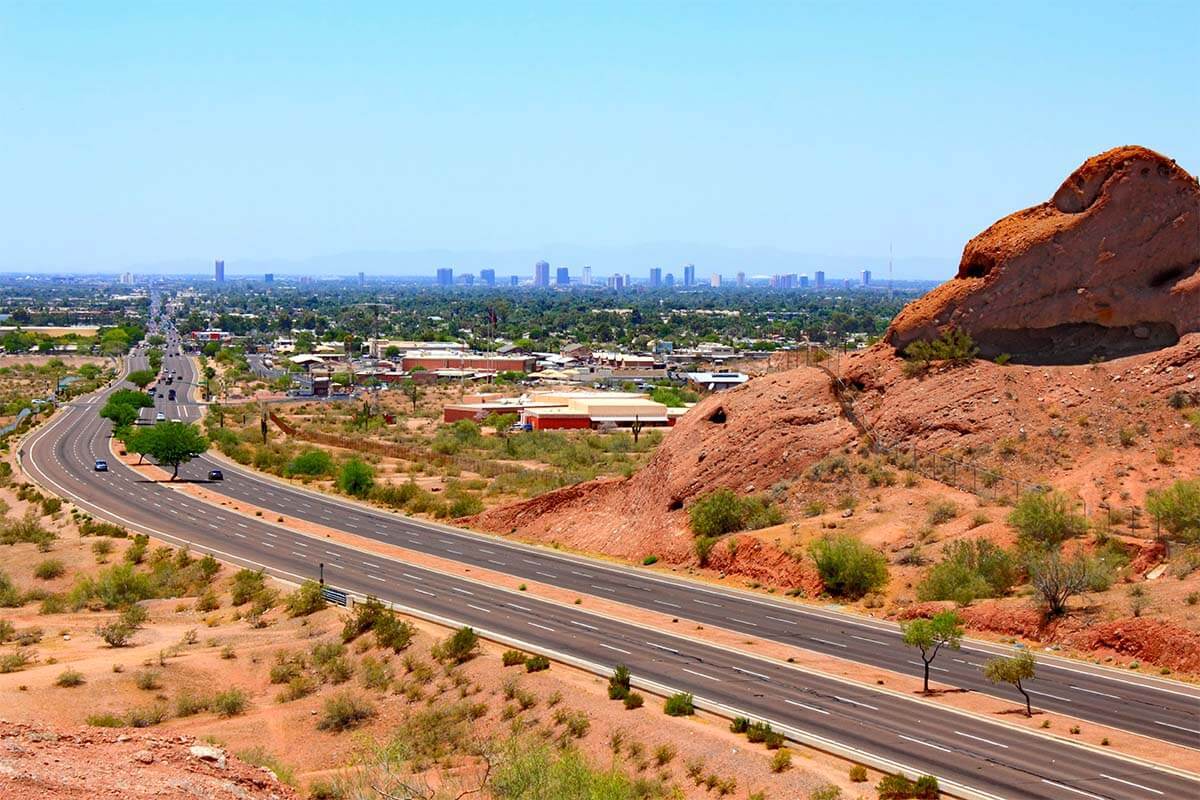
<point>1109,266</point>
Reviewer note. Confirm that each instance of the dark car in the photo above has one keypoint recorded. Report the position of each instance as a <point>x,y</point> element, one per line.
<point>101,465</point>
<point>216,475</point>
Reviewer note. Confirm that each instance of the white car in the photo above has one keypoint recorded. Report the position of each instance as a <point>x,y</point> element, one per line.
<point>160,417</point>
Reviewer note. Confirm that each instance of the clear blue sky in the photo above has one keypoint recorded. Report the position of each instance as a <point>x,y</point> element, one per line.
<point>260,130</point>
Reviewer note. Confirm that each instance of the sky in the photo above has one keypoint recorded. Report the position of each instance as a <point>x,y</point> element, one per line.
<point>145,135</point>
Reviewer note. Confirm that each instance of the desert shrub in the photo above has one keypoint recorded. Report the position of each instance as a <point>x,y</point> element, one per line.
<point>1057,578</point>
<point>858,774</point>
<point>136,552</point>
<point>28,530</point>
<point>15,661</point>
<point>1177,509</point>
<point>287,666</point>
<point>51,505</point>
<point>457,648</point>
<point>395,496</point>
<point>942,511</point>
<point>1046,519</point>
<point>827,791</point>
<point>247,584</point>
<point>297,687</point>
<point>69,678</point>
<point>49,569</point>
<point>722,511</point>
<point>104,720</point>
<point>969,570</point>
<point>898,787</point>
<point>464,504</point>
<point>146,716</point>
<point>511,658</point>
<point>305,600</point>
<point>537,663</point>
<point>229,703</point>
<point>703,546</point>
<point>95,527</point>
<point>619,683</point>
<point>344,711</point>
<point>848,568</point>
<point>147,680</point>
<point>375,674</point>
<point>10,595</point>
<point>7,630</point>
<point>954,346</point>
<point>782,760</point>
<point>739,725</point>
<point>355,477</point>
<point>312,463</point>
<point>635,700</point>
<point>188,703</point>
<point>679,704</point>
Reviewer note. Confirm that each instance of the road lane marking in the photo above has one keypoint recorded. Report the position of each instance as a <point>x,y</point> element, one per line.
<point>981,739</point>
<point>854,702</point>
<point>826,641</point>
<point>610,647</point>
<point>927,744</point>
<point>744,622</point>
<point>805,705</point>
<point>706,603</point>
<point>749,672</point>
<point>869,639</point>
<point>461,591</point>
<point>1177,727</point>
<point>603,588</point>
<point>1129,783</point>
<point>931,666</point>
<point>700,674</point>
<point>663,647</point>
<point>410,575</point>
<point>522,608</point>
<point>422,591</point>
<point>479,608</point>
<point>1093,691</point>
<point>1073,789</point>
<point>777,619</point>
<point>1047,694</point>
<point>543,627</point>
<point>376,578</point>
<point>665,603</point>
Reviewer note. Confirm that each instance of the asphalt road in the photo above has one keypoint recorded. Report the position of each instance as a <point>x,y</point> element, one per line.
<point>1140,704</point>
<point>990,757</point>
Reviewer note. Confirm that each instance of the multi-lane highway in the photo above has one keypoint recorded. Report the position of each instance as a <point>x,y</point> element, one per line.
<point>992,758</point>
<point>1144,705</point>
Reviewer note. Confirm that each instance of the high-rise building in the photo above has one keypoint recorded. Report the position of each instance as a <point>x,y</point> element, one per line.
<point>689,274</point>
<point>445,276</point>
<point>127,278</point>
<point>616,282</point>
<point>803,281</point>
<point>541,274</point>
<point>866,277</point>
<point>820,279</point>
<point>741,280</point>
<point>587,276</point>
<point>219,271</point>
<point>487,277</point>
<point>514,280</point>
<point>562,277</point>
<point>669,281</point>
<point>655,277</point>
<point>466,279</point>
<point>269,277</point>
<point>362,279</point>
<point>715,281</point>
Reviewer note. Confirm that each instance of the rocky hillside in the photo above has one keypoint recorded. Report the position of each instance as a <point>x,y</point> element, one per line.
<point>37,762</point>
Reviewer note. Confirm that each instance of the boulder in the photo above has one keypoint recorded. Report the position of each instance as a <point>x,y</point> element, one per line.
<point>1109,266</point>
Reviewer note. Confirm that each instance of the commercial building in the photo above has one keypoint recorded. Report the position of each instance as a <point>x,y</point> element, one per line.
<point>562,277</point>
<point>741,280</point>
<point>269,277</point>
<point>669,281</point>
<point>362,279</point>
<point>377,348</point>
<point>219,271</point>
<point>587,276</point>
<point>487,277</point>
<point>716,381</point>
<point>820,279</point>
<point>715,281</point>
<point>567,410</point>
<point>655,277</point>
<point>433,360</point>
<point>211,336</point>
<point>541,275</point>
<point>689,275</point>
<point>866,277</point>
<point>445,276</point>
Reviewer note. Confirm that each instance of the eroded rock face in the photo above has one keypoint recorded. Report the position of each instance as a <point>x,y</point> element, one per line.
<point>1109,266</point>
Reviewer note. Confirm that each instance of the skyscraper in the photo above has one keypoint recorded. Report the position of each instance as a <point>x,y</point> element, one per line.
<point>820,279</point>
<point>689,274</point>
<point>362,279</point>
<point>269,277</point>
<point>586,280</point>
<point>514,280</point>
<point>655,277</point>
<point>541,274</point>
<point>866,277</point>
<point>487,277</point>
<point>803,281</point>
<point>219,271</point>
<point>562,277</point>
<point>445,276</point>
<point>715,281</point>
<point>669,281</point>
<point>741,280</point>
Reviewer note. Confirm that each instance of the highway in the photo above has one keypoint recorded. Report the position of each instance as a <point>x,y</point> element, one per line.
<point>992,758</point>
<point>1139,704</point>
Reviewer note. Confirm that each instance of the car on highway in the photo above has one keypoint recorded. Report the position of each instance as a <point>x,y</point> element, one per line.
<point>101,465</point>
<point>160,417</point>
<point>216,475</point>
<point>171,394</point>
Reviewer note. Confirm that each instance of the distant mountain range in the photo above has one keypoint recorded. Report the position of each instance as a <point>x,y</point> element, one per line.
<point>635,260</point>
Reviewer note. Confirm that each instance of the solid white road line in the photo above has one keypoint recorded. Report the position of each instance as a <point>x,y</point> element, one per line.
<point>1130,783</point>
<point>981,739</point>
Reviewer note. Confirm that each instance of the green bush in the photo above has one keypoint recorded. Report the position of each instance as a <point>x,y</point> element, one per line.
<point>229,703</point>
<point>343,712</point>
<point>356,478</point>
<point>49,569</point>
<point>146,716</point>
<point>247,584</point>
<point>679,704</point>
<point>512,657</point>
<point>703,546</point>
<point>1177,509</point>
<point>954,346</point>
<point>69,678</point>
<point>305,600</point>
<point>312,463</point>
<point>10,595</point>
<point>105,720</point>
<point>1046,519</point>
<point>848,568</point>
<point>395,496</point>
<point>722,511</point>
<point>634,700</point>
<point>619,683</point>
<point>649,561</point>
<point>968,571</point>
<point>531,768</point>
<point>537,663</point>
<point>457,648</point>
<point>898,787</point>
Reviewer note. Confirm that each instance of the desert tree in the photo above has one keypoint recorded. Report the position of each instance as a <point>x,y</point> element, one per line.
<point>930,635</point>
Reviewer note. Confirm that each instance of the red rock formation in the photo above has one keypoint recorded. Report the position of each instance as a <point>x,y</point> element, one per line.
<point>1109,266</point>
